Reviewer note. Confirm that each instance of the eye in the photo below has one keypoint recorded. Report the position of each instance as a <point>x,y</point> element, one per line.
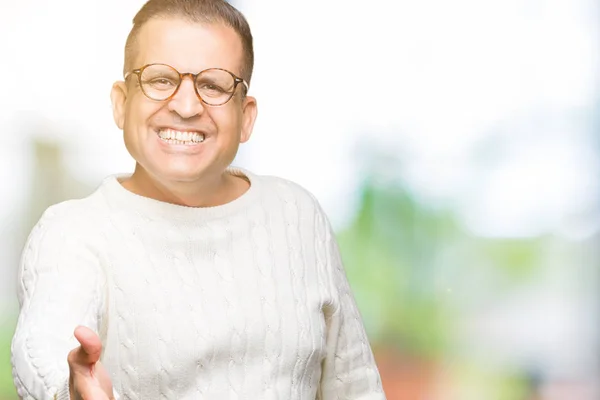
<point>210,87</point>
<point>161,83</point>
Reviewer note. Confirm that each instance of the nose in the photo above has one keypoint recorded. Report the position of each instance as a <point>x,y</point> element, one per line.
<point>186,102</point>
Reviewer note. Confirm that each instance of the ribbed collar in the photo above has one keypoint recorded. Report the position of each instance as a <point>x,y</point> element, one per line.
<point>121,198</point>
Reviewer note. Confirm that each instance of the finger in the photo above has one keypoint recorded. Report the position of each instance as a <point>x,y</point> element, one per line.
<point>91,392</point>
<point>90,349</point>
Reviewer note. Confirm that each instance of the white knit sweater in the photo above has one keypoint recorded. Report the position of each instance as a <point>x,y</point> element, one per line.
<point>248,300</point>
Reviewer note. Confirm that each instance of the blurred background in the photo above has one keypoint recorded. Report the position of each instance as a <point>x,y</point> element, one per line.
<point>454,145</point>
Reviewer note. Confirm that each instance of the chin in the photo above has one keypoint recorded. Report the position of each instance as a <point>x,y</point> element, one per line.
<point>179,176</point>
<point>176,169</point>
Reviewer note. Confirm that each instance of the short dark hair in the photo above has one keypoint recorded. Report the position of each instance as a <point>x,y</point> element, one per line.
<point>200,11</point>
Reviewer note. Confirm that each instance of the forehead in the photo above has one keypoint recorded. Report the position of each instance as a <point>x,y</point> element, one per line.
<point>189,46</point>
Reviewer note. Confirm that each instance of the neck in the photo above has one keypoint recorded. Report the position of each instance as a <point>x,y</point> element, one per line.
<point>210,191</point>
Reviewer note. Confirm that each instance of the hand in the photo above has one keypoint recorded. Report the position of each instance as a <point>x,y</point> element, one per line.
<point>88,379</point>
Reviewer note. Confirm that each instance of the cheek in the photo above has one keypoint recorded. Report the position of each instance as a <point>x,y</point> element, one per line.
<point>229,123</point>
<point>138,114</point>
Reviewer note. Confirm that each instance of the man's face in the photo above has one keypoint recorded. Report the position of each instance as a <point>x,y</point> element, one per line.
<point>188,47</point>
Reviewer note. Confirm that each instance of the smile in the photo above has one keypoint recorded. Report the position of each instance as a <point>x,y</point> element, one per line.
<point>172,136</point>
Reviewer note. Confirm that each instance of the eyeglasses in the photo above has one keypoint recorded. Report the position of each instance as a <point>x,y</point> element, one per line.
<point>213,86</point>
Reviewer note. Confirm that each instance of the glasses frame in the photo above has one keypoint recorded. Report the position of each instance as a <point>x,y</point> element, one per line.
<point>236,79</point>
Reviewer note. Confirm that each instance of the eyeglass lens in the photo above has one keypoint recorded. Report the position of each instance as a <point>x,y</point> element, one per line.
<point>214,86</point>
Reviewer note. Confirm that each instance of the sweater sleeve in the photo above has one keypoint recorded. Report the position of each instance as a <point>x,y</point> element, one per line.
<point>349,369</point>
<point>60,286</point>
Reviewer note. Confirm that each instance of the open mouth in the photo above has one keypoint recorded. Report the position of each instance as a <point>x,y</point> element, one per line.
<point>172,136</point>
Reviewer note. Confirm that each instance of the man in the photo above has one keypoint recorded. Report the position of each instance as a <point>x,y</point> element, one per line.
<point>188,279</point>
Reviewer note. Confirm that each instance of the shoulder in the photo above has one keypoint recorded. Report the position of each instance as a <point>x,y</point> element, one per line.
<point>66,228</point>
<point>77,215</point>
<point>294,200</point>
<point>288,191</point>
<point>76,219</point>
<point>63,247</point>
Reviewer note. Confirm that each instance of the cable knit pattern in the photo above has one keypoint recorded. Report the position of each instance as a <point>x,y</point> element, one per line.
<point>248,300</point>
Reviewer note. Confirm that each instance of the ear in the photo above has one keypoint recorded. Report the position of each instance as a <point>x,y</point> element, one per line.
<point>118,96</point>
<point>249,113</point>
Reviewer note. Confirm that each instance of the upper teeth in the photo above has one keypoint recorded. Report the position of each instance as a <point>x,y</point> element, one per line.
<point>171,134</point>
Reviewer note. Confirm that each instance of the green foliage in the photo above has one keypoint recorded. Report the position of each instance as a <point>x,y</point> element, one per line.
<point>475,381</point>
<point>7,389</point>
<point>517,258</point>
<point>402,258</point>
<point>389,255</point>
